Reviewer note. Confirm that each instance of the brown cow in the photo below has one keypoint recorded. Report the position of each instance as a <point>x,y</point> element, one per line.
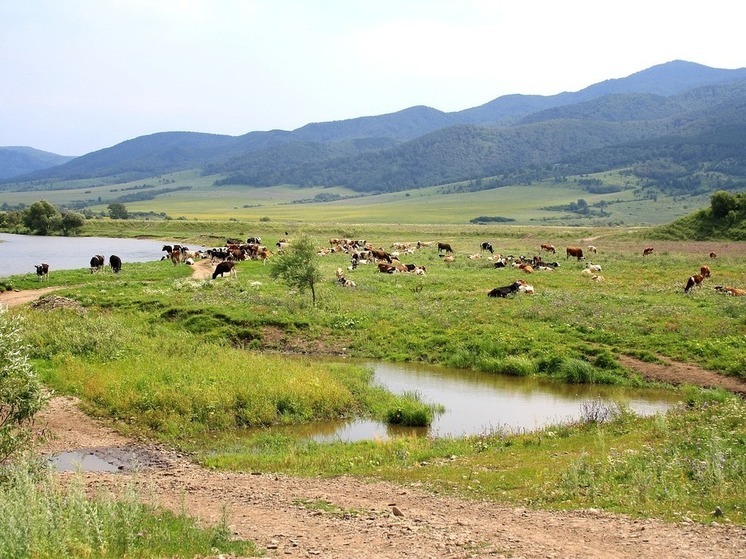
<point>647,250</point>
<point>704,271</point>
<point>576,252</point>
<point>696,279</point>
<point>444,246</point>
<point>735,291</point>
<point>713,254</point>
<point>549,248</point>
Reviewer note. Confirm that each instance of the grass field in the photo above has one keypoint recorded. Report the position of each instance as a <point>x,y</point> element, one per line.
<point>448,204</point>
<point>234,331</point>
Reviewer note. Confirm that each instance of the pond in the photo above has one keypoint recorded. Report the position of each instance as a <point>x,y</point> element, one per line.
<point>478,403</point>
<point>19,253</point>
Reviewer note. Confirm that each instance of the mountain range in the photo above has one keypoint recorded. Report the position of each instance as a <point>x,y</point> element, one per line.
<point>677,122</point>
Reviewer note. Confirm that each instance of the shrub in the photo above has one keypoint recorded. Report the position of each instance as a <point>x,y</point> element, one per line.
<point>21,393</point>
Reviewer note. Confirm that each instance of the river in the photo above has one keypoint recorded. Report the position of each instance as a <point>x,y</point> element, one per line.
<point>19,253</point>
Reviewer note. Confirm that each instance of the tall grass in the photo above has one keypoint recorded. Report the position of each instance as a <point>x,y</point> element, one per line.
<point>40,518</point>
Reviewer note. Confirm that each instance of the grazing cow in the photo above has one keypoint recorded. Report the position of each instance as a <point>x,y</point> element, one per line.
<point>592,249</point>
<point>704,271</point>
<point>42,271</point>
<point>549,248</point>
<point>505,291</point>
<point>575,252</point>
<point>734,291</point>
<point>696,279</point>
<point>487,246</point>
<point>97,263</point>
<point>444,247</point>
<point>647,250</point>
<point>254,241</point>
<point>227,267</point>
<point>116,263</point>
<point>713,255</point>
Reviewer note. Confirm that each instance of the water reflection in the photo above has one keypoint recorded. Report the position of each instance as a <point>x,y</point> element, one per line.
<point>478,403</point>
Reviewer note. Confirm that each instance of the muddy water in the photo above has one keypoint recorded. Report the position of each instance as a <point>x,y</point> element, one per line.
<point>477,403</point>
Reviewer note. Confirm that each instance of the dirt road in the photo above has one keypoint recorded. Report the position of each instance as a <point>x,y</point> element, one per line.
<point>278,512</point>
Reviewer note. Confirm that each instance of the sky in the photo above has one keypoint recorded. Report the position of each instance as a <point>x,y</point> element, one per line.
<point>77,76</point>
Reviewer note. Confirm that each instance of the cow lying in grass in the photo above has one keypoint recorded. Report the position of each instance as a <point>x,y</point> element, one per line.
<point>734,291</point>
<point>505,291</point>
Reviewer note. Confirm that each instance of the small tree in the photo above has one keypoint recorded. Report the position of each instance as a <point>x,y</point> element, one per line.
<point>21,395</point>
<point>722,202</point>
<point>40,217</point>
<point>117,210</point>
<point>299,267</point>
<point>71,223</point>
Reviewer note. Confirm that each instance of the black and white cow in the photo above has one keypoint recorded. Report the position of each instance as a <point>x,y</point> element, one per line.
<point>97,263</point>
<point>42,271</point>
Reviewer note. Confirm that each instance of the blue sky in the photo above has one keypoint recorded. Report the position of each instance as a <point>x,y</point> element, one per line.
<point>82,75</point>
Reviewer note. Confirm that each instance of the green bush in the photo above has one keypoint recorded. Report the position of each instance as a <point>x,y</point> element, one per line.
<point>21,393</point>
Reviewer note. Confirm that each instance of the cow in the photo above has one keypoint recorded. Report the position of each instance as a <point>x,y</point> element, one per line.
<point>487,246</point>
<point>380,254</point>
<point>592,249</point>
<point>386,268</point>
<point>176,255</point>
<point>593,267</point>
<point>734,291</point>
<point>713,255</point>
<point>505,291</point>
<point>575,252</point>
<point>226,267</point>
<point>115,263</point>
<point>42,271</point>
<point>344,282</point>
<point>549,248</point>
<point>525,288</point>
<point>254,241</point>
<point>696,279</point>
<point>647,250</point>
<point>705,272</point>
<point>263,254</point>
<point>97,263</point>
<point>444,247</point>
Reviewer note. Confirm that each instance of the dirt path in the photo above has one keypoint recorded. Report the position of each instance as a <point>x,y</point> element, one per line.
<point>277,513</point>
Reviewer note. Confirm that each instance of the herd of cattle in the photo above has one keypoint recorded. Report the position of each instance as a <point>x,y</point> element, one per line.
<point>361,252</point>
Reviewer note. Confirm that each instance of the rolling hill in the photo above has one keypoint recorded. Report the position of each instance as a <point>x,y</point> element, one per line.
<point>677,125</point>
<point>16,161</point>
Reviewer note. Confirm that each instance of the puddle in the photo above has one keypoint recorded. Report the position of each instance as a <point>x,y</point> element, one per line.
<point>109,459</point>
<point>82,461</point>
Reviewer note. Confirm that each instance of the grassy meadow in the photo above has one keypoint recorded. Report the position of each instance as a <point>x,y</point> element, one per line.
<point>526,204</point>
<point>194,362</point>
